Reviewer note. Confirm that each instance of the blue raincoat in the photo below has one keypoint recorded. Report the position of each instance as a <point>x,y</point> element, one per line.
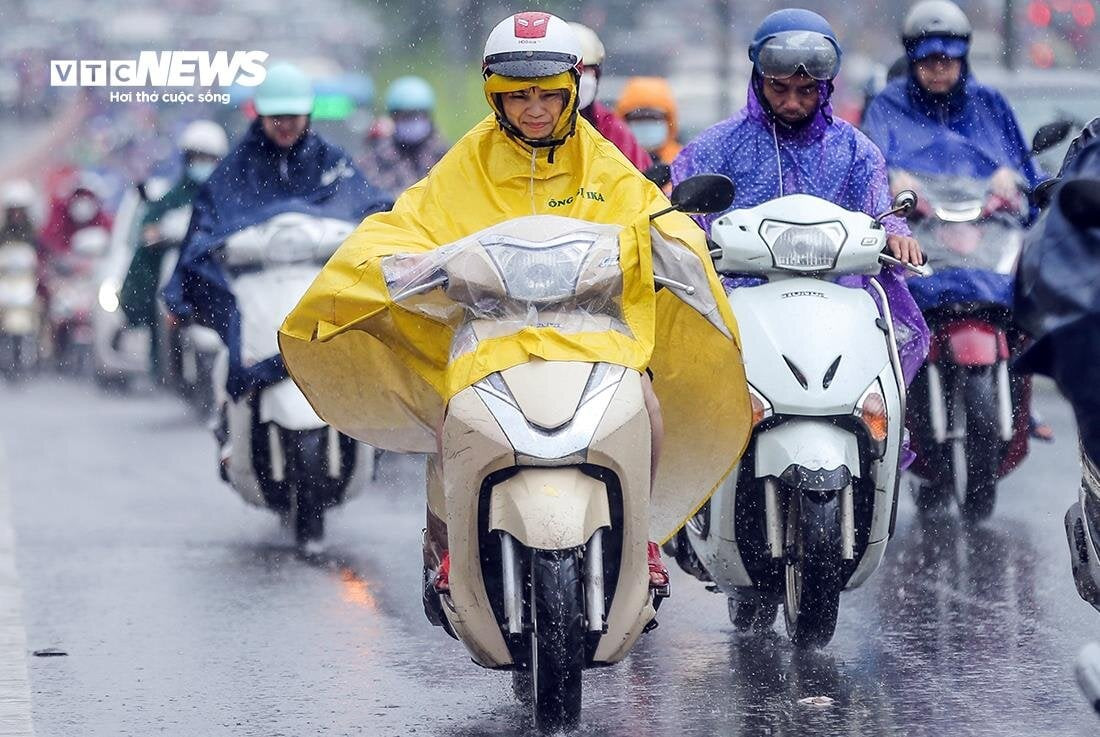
<point>827,158</point>
<point>254,183</point>
<point>969,132</point>
<point>1058,293</point>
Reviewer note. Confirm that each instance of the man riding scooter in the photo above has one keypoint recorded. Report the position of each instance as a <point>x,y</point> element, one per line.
<point>238,266</point>
<point>786,141</point>
<point>202,145</point>
<point>957,143</point>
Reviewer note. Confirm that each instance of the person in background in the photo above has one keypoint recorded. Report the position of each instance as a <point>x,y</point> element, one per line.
<point>17,198</point>
<point>649,109</point>
<point>202,145</point>
<point>399,155</point>
<point>602,118</point>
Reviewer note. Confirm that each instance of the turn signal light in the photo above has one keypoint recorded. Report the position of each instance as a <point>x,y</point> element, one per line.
<point>872,411</point>
<point>761,408</point>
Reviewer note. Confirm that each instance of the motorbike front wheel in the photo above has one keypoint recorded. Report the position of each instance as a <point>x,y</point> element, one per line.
<point>812,582</point>
<point>557,639</point>
<point>307,508</point>
<point>982,442</point>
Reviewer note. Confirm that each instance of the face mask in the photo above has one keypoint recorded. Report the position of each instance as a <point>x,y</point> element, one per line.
<point>586,91</point>
<point>200,171</point>
<point>411,131</point>
<point>83,209</point>
<point>650,133</point>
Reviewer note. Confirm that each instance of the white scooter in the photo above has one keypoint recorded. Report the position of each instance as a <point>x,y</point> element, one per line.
<point>20,309</point>
<point>810,508</point>
<point>544,477</point>
<point>279,454</point>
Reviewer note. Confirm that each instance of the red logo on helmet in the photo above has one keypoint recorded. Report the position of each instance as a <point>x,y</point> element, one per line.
<point>532,25</point>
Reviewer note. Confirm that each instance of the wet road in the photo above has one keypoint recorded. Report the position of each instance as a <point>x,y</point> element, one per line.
<point>183,612</point>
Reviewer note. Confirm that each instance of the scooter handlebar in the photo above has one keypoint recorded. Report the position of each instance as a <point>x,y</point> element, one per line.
<point>923,270</point>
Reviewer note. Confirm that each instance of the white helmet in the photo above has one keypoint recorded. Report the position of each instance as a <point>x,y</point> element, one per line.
<point>204,137</point>
<point>18,193</point>
<point>592,51</point>
<point>531,44</point>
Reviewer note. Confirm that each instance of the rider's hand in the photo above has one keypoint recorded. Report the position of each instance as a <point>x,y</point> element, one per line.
<point>1005,183</point>
<point>172,320</point>
<point>905,248</point>
<point>151,234</point>
<point>1005,193</point>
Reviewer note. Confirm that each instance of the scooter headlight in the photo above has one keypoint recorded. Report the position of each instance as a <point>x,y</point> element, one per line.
<point>761,407</point>
<point>805,248</point>
<point>871,411</point>
<point>536,274</point>
<point>108,296</point>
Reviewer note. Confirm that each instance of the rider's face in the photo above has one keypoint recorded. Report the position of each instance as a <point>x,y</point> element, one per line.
<point>792,99</point>
<point>534,111</point>
<point>284,130</point>
<point>938,74</point>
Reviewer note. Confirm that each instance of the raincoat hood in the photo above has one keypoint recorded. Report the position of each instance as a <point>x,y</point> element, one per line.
<point>807,131</point>
<point>969,132</point>
<point>57,234</point>
<point>384,374</point>
<point>496,85</point>
<point>653,93</point>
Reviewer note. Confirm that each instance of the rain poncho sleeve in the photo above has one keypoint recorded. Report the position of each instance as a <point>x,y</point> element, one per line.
<point>971,132</point>
<point>254,183</point>
<point>1057,294</point>
<point>384,374</point>
<point>827,158</point>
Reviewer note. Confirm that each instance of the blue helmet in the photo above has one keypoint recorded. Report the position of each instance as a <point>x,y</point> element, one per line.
<point>410,94</point>
<point>793,40</point>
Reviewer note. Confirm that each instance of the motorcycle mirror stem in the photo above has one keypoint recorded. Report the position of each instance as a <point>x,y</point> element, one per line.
<point>904,203</point>
<point>700,194</point>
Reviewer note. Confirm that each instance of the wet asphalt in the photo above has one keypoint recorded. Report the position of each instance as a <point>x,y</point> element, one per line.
<point>181,611</point>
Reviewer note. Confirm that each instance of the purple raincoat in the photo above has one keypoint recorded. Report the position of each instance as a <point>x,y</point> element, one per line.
<point>827,158</point>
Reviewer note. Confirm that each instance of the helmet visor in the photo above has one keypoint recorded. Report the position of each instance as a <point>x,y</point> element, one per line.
<point>950,46</point>
<point>786,54</point>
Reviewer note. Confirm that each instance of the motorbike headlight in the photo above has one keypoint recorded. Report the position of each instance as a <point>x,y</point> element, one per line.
<point>108,296</point>
<point>539,274</point>
<point>871,411</point>
<point>761,407</point>
<point>807,248</point>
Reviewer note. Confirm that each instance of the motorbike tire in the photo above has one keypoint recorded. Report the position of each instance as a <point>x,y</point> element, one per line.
<point>308,449</point>
<point>753,611</point>
<point>812,585</point>
<point>557,639</point>
<point>983,445</point>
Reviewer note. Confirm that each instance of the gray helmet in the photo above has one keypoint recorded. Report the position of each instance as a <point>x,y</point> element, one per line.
<point>935,18</point>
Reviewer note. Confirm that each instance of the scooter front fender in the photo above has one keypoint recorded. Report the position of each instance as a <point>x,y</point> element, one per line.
<point>286,406</point>
<point>809,454</point>
<point>549,508</point>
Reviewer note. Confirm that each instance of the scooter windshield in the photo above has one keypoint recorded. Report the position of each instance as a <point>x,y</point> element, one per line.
<point>960,234</point>
<point>533,272</point>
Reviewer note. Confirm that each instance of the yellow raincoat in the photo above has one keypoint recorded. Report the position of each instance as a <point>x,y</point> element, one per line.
<point>383,374</point>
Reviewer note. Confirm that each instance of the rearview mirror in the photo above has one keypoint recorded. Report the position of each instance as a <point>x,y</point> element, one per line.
<point>904,203</point>
<point>1050,135</point>
<point>703,193</point>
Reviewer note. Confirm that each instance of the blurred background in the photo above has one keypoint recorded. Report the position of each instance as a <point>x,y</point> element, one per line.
<point>1042,53</point>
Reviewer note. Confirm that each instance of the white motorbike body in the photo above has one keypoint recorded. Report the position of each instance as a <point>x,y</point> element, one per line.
<point>272,265</point>
<point>814,350</point>
<point>19,304</point>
